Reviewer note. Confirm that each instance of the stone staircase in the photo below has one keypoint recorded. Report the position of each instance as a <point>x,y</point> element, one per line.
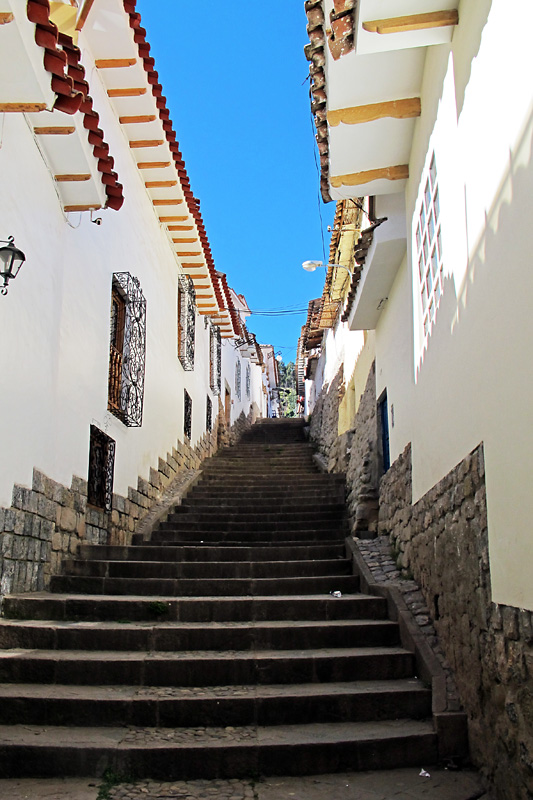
<point>216,649</point>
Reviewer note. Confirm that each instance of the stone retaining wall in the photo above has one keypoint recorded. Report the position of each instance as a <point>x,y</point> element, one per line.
<point>442,542</point>
<point>47,522</point>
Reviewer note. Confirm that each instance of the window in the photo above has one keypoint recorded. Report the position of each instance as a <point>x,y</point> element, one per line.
<point>429,247</point>
<point>215,359</point>
<point>101,469</point>
<point>187,415</point>
<point>238,379</point>
<point>186,321</point>
<point>208,415</point>
<point>127,350</point>
<point>383,417</point>
<point>248,380</point>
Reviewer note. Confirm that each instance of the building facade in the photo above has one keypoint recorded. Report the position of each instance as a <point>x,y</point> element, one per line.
<point>122,339</point>
<point>421,110</point>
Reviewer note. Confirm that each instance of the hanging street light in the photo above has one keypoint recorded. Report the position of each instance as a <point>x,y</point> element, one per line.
<point>11,260</point>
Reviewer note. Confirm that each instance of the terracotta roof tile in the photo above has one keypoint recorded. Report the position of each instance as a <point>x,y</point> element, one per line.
<point>62,60</point>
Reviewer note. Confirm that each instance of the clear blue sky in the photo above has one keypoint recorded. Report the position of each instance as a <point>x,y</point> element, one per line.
<point>234,75</point>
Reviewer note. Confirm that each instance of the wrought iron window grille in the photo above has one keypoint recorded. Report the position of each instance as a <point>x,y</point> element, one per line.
<point>127,350</point>
<point>215,359</point>
<point>209,415</point>
<point>186,321</point>
<point>248,380</point>
<point>238,379</point>
<point>101,469</point>
<point>187,415</point>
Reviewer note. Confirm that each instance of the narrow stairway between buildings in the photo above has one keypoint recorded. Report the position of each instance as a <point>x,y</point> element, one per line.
<point>235,642</point>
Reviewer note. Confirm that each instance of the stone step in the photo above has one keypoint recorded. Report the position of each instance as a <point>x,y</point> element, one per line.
<point>235,540</point>
<point>224,515</point>
<point>179,637</point>
<point>273,480</point>
<point>258,523</point>
<point>237,495</point>
<point>169,707</point>
<point>244,505</point>
<point>190,587</point>
<point>206,535</point>
<point>204,668</point>
<point>185,753</point>
<point>47,606</point>
<point>206,569</point>
<point>150,552</point>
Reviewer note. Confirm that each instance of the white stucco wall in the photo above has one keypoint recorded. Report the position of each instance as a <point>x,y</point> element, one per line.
<point>55,321</point>
<point>474,380</point>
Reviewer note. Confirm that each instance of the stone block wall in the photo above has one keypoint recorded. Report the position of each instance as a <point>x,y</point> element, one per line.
<point>47,522</point>
<point>442,542</point>
<point>355,452</point>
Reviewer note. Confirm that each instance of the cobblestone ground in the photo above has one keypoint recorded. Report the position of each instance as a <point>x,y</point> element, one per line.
<point>188,790</point>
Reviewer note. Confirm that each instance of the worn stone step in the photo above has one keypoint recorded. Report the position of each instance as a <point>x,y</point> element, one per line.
<point>206,569</point>
<point>183,636</point>
<point>48,606</point>
<point>171,753</point>
<point>191,587</point>
<point>282,536</point>
<point>240,505</point>
<point>163,539</point>
<point>259,523</point>
<point>151,552</point>
<point>204,668</point>
<point>272,480</point>
<point>169,707</point>
<point>223,515</point>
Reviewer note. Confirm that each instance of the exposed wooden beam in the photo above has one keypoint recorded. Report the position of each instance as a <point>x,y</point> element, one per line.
<point>187,265</point>
<point>397,109</point>
<point>84,14</point>
<point>202,285</point>
<point>160,184</point>
<point>22,107</point>
<point>202,277</point>
<point>6,17</point>
<point>153,164</point>
<point>114,63</point>
<point>398,173</point>
<point>188,253</point>
<point>167,202</point>
<point>64,130</point>
<point>139,118</point>
<point>413,22</point>
<point>90,207</point>
<point>126,92</point>
<point>173,219</point>
<point>181,227</point>
<point>76,177</point>
<point>185,241</point>
<point>146,143</point>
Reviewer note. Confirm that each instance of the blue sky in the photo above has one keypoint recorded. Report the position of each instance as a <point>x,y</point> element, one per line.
<point>234,75</point>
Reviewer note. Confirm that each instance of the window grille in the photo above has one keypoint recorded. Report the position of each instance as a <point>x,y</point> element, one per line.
<point>248,380</point>
<point>187,415</point>
<point>429,248</point>
<point>101,469</point>
<point>238,379</point>
<point>186,321</point>
<point>209,415</point>
<point>215,360</point>
<point>127,350</point>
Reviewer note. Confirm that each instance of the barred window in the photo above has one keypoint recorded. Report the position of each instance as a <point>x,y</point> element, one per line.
<point>187,415</point>
<point>248,380</point>
<point>127,350</point>
<point>209,415</point>
<point>429,247</point>
<point>101,469</point>
<point>238,379</point>
<point>186,321</point>
<point>215,360</point>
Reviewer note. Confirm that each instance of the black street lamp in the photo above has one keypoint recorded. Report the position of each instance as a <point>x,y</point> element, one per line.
<point>11,260</point>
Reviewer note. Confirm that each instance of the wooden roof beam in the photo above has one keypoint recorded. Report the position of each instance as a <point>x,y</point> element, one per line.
<point>397,173</point>
<point>114,63</point>
<point>146,143</point>
<point>6,17</point>
<point>413,22</point>
<point>72,178</point>
<point>397,109</point>
<point>153,164</point>
<point>29,108</point>
<point>160,184</point>
<point>64,130</point>
<point>133,92</point>
<point>137,119</point>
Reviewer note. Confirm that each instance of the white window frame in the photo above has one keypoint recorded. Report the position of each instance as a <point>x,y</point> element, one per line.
<point>429,263</point>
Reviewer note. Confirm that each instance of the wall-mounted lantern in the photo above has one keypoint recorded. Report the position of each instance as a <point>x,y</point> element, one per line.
<point>11,260</point>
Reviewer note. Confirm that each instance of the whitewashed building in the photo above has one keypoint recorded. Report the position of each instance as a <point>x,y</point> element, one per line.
<point>120,362</point>
<point>425,109</point>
